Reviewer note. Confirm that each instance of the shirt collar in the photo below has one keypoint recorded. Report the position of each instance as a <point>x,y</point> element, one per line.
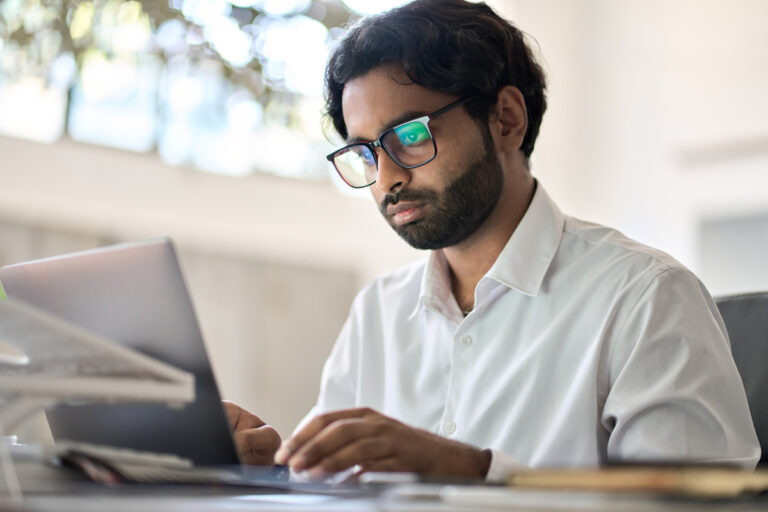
<point>521,265</point>
<point>524,261</point>
<point>436,294</point>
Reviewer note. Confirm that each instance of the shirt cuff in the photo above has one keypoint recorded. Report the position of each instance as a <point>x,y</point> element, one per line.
<point>502,465</point>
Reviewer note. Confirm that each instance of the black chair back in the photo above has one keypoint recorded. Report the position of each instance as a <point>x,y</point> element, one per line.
<point>746,318</point>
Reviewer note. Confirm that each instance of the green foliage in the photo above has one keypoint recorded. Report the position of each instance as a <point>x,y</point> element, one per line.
<point>35,33</point>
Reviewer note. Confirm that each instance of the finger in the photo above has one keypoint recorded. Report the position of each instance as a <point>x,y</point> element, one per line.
<point>258,445</point>
<point>239,418</point>
<point>333,438</point>
<point>365,452</point>
<point>391,463</point>
<point>314,427</point>
<point>232,411</point>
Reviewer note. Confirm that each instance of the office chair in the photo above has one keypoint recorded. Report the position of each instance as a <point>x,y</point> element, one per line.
<point>746,318</point>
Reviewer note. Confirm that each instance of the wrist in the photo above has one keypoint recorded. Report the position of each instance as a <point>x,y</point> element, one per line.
<point>470,462</point>
<point>483,462</point>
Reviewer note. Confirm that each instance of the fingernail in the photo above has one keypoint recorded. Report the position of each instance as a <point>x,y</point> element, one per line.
<point>297,463</point>
<point>283,453</point>
<point>281,456</point>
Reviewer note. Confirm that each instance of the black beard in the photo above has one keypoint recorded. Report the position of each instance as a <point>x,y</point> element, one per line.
<point>459,210</point>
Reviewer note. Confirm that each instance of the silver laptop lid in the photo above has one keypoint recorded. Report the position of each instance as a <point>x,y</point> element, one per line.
<point>135,294</point>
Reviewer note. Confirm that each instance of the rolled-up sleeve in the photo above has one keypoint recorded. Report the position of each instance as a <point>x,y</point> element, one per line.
<point>675,392</point>
<point>502,465</point>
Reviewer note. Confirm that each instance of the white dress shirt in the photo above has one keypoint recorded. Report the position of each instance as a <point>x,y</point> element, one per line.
<point>583,347</point>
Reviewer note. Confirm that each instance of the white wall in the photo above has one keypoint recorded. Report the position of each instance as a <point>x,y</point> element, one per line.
<point>658,116</point>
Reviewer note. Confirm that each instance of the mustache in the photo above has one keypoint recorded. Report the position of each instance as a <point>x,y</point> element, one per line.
<point>422,195</point>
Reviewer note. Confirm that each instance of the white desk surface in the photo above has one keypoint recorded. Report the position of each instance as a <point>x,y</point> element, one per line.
<point>49,489</point>
<point>193,499</point>
<point>193,502</point>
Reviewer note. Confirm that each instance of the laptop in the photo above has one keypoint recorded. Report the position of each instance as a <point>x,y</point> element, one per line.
<point>134,294</point>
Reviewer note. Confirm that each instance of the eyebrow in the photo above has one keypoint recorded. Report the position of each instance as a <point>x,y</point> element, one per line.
<point>402,118</point>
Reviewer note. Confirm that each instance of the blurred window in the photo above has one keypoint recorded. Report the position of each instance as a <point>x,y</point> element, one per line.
<point>230,87</point>
<point>114,102</point>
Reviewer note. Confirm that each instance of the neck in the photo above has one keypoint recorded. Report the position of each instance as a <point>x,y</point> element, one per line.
<point>471,259</point>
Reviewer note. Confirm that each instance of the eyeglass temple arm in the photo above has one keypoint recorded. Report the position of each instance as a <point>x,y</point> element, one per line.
<point>448,107</point>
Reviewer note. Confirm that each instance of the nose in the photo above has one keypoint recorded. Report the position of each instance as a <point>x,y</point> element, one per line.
<point>390,177</point>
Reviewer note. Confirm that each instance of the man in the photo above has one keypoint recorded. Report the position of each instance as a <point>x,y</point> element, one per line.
<point>527,337</point>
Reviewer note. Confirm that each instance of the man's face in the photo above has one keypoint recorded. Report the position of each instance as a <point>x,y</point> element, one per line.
<point>441,203</point>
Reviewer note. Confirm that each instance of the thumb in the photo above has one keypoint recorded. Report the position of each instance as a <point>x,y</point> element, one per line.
<point>239,418</point>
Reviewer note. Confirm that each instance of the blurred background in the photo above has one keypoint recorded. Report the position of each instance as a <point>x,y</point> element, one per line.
<point>201,120</point>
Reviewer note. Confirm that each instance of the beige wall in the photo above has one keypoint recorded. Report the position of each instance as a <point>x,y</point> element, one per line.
<point>658,121</point>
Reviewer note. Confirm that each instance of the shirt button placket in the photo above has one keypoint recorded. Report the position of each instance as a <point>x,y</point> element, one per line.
<point>461,362</point>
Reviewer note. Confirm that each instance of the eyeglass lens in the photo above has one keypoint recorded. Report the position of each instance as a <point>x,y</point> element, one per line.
<point>410,145</point>
<point>357,165</point>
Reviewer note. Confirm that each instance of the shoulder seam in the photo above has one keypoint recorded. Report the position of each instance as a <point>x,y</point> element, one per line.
<point>666,264</point>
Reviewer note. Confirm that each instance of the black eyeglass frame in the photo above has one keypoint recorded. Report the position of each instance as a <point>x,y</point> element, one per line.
<point>373,144</point>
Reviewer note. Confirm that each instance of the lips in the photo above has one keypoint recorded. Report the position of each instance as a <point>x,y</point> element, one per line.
<point>403,213</point>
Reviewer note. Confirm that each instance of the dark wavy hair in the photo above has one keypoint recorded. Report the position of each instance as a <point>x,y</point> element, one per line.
<point>447,45</point>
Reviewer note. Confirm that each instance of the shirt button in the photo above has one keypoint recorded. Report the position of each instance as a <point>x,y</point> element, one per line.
<point>449,427</point>
<point>466,340</point>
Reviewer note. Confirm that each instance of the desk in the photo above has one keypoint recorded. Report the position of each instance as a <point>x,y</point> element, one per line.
<point>196,499</point>
<point>50,489</point>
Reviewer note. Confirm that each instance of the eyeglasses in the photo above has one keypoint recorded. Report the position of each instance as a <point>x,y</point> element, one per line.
<point>409,145</point>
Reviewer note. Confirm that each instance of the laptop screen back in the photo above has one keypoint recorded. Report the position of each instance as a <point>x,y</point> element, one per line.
<point>134,294</point>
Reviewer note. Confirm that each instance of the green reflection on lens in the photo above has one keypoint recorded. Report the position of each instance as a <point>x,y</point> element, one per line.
<point>412,133</point>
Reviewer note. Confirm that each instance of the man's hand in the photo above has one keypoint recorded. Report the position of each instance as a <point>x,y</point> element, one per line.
<point>339,440</point>
<point>256,441</point>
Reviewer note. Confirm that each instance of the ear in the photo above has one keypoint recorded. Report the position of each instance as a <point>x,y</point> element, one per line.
<point>509,119</point>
